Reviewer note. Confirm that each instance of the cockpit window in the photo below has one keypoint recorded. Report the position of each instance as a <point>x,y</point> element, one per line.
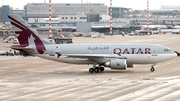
<point>167,50</point>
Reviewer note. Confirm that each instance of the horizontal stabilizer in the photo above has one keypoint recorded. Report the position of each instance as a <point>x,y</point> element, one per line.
<point>22,48</point>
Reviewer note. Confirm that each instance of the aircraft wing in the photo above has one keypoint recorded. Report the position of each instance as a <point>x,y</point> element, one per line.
<point>96,57</point>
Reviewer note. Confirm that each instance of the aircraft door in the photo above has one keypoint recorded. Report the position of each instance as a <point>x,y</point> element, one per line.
<point>110,52</point>
<point>51,51</point>
<point>154,51</point>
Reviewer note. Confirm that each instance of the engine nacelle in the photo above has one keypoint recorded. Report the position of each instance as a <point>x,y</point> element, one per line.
<point>116,64</point>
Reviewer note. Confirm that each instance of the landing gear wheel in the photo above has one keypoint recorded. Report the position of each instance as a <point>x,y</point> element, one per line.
<point>91,70</point>
<point>101,69</point>
<point>152,69</point>
<point>96,70</point>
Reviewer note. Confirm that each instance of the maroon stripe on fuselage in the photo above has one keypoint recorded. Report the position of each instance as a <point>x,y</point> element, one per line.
<point>25,34</point>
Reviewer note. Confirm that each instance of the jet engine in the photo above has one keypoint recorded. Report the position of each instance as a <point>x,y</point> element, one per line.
<point>116,64</point>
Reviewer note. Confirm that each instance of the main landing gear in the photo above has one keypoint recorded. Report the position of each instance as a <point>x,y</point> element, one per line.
<point>152,68</point>
<point>96,69</point>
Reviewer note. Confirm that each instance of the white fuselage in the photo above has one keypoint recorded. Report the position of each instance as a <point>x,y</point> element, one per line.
<point>86,53</point>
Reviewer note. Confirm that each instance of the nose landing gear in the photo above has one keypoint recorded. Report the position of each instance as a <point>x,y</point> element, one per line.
<point>152,69</point>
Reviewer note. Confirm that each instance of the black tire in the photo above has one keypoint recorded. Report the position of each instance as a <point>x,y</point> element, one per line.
<point>101,69</point>
<point>152,69</point>
<point>91,70</point>
<point>96,70</point>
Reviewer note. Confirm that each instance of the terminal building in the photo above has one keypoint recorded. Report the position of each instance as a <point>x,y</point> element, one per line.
<point>41,10</point>
<point>4,21</point>
<point>4,11</point>
<point>75,17</point>
<point>162,16</point>
<point>68,17</point>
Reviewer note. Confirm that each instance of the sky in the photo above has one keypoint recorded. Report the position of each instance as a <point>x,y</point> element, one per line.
<point>135,4</point>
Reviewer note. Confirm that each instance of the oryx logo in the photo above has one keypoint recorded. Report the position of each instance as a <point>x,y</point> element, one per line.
<point>58,54</point>
<point>24,34</point>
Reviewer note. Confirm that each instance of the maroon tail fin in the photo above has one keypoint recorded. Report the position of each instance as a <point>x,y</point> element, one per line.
<point>26,34</point>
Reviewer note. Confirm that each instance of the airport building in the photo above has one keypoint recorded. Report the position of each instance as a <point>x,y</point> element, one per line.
<point>68,17</point>
<point>93,12</point>
<point>4,11</point>
<point>42,9</point>
<point>170,7</point>
<point>119,12</point>
<point>4,20</point>
<point>33,12</point>
<point>161,16</point>
<point>94,16</point>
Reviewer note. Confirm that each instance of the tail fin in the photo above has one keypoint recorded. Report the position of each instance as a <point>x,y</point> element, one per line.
<point>172,23</point>
<point>26,34</point>
<point>137,22</point>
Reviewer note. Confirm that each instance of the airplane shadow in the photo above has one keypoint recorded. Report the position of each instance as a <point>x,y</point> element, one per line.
<point>100,73</point>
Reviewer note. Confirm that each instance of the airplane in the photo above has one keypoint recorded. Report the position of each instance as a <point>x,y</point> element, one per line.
<point>150,26</point>
<point>114,56</point>
<point>173,25</point>
<point>173,28</point>
<point>173,31</point>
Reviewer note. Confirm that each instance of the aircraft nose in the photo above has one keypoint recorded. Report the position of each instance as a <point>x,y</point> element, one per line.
<point>177,53</point>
